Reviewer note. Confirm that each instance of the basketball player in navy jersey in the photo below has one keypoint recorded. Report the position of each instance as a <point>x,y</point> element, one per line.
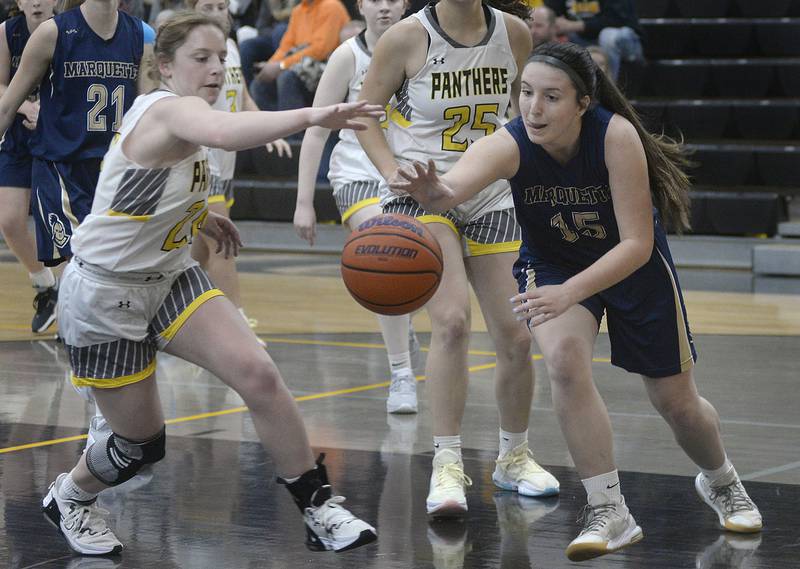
<point>16,161</point>
<point>585,177</point>
<point>87,60</point>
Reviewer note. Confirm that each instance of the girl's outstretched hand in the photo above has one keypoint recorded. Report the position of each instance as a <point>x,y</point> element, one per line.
<point>344,115</point>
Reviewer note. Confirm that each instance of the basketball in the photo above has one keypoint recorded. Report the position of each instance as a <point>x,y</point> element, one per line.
<point>392,264</point>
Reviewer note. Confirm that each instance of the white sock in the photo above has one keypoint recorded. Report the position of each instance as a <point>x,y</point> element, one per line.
<point>510,441</point>
<point>452,442</point>
<point>43,279</point>
<point>69,490</point>
<point>603,489</point>
<point>723,475</point>
<point>400,363</point>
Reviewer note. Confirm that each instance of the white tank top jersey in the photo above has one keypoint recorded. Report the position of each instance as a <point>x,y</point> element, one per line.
<point>349,163</point>
<point>142,219</point>
<point>458,96</point>
<point>222,163</point>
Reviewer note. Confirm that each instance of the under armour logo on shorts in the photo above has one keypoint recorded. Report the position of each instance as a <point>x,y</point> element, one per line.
<point>125,304</point>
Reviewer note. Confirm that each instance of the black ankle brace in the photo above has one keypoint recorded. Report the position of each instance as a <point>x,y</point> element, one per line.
<point>312,488</point>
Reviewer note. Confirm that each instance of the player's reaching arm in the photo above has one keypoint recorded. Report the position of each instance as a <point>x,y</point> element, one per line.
<point>490,158</point>
<point>280,146</point>
<point>36,59</point>
<point>332,89</point>
<point>399,45</point>
<point>175,126</point>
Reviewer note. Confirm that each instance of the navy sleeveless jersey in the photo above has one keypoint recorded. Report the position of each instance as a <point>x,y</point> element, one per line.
<point>91,83</point>
<point>566,212</point>
<point>17,34</point>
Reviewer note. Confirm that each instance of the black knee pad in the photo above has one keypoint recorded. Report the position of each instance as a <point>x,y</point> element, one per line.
<point>114,459</point>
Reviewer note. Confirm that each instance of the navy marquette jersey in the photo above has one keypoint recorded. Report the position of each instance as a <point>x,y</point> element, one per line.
<point>17,34</point>
<point>566,214</point>
<point>91,83</point>
<point>568,223</point>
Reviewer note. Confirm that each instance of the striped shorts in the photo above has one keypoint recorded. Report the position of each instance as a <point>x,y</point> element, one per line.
<point>220,191</point>
<point>493,232</point>
<point>355,196</point>
<point>112,324</point>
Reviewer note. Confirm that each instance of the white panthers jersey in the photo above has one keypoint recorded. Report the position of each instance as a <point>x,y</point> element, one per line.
<point>349,163</point>
<point>222,163</point>
<point>142,219</point>
<point>458,96</point>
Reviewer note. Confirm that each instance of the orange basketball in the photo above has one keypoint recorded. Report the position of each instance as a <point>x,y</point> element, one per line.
<point>392,264</point>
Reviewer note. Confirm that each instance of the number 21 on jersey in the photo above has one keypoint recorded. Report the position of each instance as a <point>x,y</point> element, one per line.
<point>97,93</point>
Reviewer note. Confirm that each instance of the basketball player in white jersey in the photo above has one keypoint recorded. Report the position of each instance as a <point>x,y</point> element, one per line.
<point>454,68</point>
<point>234,97</point>
<point>133,289</point>
<point>355,180</point>
<point>221,165</point>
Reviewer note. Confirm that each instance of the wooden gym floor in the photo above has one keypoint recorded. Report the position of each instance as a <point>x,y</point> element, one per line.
<point>213,502</point>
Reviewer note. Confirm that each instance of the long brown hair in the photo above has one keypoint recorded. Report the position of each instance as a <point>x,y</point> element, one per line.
<point>516,7</point>
<point>667,158</point>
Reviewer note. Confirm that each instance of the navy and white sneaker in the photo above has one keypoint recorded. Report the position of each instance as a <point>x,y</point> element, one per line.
<point>330,527</point>
<point>81,523</point>
<point>44,303</point>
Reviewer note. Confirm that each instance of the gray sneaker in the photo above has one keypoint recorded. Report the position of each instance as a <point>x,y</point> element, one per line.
<point>606,528</point>
<point>402,394</point>
<point>734,508</point>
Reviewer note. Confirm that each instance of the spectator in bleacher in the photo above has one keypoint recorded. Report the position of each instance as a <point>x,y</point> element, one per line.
<point>273,19</point>
<point>542,24</point>
<point>611,24</point>
<point>288,79</point>
<point>132,7</point>
<point>600,58</point>
<point>162,18</point>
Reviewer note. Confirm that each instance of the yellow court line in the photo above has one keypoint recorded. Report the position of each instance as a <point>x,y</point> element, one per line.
<point>242,409</point>
<point>268,339</point>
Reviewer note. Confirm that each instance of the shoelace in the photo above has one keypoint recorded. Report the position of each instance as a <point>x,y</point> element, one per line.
<point>331,515</point>
<point>734,498</point>
<point>595,517</point>
<point>523,461</point>
<point>87,519</point>
<point>403,383</point>
<point>451,475</point>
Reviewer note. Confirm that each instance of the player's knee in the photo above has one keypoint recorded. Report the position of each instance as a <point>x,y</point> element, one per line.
<point>566,360</point>
<point>515,345</point>
<point>258,378</point>
<point>113,459</point>
<point>679,412</point>
<point>452,327</point>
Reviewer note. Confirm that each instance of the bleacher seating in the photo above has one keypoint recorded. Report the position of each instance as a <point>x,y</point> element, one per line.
<point>725,75</point>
